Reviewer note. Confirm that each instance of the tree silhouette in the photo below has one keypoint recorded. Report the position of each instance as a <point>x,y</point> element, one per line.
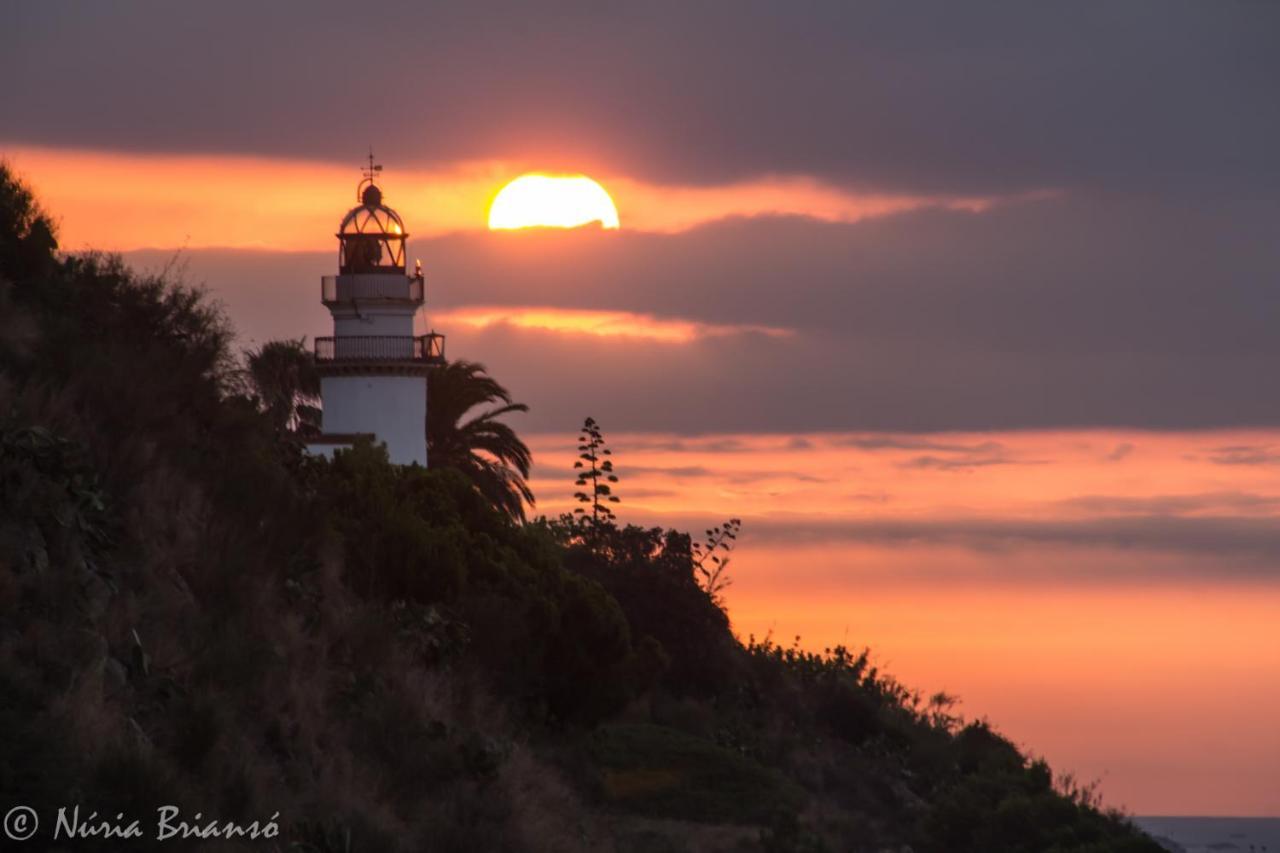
<point>596,471</point>
<point>283,377</point>
<point>27,234</point>
<point>483,448</point>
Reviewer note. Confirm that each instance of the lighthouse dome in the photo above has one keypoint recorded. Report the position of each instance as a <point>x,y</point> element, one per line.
<point>371,216</point>
<point>371,236</point>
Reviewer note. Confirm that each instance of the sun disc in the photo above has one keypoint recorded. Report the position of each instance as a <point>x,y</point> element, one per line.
<point>554,201</point>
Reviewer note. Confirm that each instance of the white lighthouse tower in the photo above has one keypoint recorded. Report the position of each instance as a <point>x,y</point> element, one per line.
<point>373,371</point>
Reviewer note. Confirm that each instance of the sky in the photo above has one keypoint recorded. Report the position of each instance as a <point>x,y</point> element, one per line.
<point>966,310</point>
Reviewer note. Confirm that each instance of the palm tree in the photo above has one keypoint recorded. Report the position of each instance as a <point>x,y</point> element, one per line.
<point>282,374</point>
<point>483,448</point>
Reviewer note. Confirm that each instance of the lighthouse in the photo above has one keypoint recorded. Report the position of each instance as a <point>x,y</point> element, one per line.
<point>374,368</point>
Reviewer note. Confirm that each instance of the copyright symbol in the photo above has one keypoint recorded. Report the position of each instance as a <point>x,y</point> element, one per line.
<point>21,823</point>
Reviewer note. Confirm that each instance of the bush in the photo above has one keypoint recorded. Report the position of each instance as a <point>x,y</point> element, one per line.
<point>650,573</point>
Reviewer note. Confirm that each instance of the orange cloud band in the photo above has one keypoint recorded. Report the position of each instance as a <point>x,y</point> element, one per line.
<point>119,202</point>
<point>625,324</point>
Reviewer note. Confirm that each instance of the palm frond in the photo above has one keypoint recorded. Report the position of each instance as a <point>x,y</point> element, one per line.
<point>482,447</point>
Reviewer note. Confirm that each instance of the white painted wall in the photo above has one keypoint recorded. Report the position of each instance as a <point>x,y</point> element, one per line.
<point>372,321</point>
<point>348,286</point>
<point>394,408</point>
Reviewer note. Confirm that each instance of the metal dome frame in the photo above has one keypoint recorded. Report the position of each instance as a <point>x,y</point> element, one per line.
<point>371,238</point>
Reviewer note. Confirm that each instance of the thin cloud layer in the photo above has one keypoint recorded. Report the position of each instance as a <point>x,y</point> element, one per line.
<point>1241,547</point>
<point>1166,515</point>
<point>604,324</point>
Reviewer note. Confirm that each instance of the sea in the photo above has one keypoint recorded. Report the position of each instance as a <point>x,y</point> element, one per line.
<point>1214,834</point>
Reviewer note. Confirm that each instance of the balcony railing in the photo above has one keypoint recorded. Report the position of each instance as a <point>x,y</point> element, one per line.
<point>345,288</point>
<point>351,348</point>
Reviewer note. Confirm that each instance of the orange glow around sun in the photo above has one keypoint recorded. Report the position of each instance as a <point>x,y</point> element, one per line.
<point>556,201</point>
<point>604,324</point>
<point>119,202</point>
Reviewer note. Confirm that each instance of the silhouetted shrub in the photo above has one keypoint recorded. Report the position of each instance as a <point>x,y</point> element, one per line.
<point>650,573</point>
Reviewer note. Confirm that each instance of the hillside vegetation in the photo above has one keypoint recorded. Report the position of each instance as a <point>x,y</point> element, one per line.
<point>194,612</point>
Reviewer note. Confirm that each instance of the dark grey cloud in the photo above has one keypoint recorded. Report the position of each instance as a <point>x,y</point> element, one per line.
<point>1157,96</point>
<point>1073,312</point>
<point>942,455</point>
<point>1102,548</point>
<point>1243,547</point>
<point>678,471</point>
<point>911,442</point>
<point>1164,505</point>
<point>731,477</point>
<point>690,445</point>
<point>967,462</point>
<point>1245,454</point>
<point>1120,452</point>
<point>868,497</point>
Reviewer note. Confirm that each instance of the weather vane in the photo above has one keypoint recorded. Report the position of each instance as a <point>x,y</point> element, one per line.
<point>369,172</point>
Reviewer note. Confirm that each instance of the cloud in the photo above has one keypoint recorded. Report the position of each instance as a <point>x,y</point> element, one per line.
<point>944,456</point>
<point>732,477</point>
<point>1071,312</point>
<point>1247,547</point>
<point>1182,504</point>
<point>1121,451</point>
<point>1245,455</point>
<point>967,462</point>
<point>923,97</point>
<point>718,444</point>
<point>606,324</point>
<point>677,471</point>
<point>910,442</point>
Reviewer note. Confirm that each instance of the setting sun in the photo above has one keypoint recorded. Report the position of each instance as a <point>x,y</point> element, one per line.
<point>556,201</point>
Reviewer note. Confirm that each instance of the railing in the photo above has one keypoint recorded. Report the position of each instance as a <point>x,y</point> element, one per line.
<point>345,288</point>
<point>425,348</point>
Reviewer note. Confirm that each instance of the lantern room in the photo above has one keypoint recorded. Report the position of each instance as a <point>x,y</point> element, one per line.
<point>371,237</point>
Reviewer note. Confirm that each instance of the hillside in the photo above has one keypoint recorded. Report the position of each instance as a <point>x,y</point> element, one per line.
<point>193,612</point>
